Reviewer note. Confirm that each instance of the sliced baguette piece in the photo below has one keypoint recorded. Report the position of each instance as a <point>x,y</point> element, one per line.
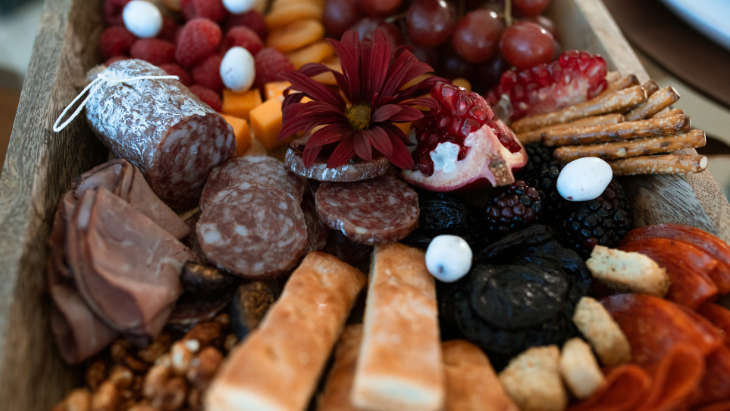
<point>628,272</point>
<point>277,368</point>
<point>604,334</point>
<point>532,380</point>
<point>579,368</point>
<point>336,393</point>
<point>471,383</point>
<point>399,367</point>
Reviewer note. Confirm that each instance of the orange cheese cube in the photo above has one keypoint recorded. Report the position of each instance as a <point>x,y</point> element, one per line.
<point>240,104</point>
<point>275,89</point>
<point>266,123</point>
<point>463,83</point>
<point>241,131</point>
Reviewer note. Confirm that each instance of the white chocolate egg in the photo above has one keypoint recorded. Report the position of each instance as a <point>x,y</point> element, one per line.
<point>238,6</point>
<point>448,258</point>
<point>142,18</point>
<point>584,179</point>
<point>238,70</point>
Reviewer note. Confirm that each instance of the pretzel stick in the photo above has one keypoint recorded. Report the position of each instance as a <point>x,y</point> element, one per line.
<point>653,127</point>
<point>654,104</point>
<point>536,135</point>
<point>663,164</point>
<point>667,112</point>
<point>650,87</point>
<point>609,103</point>
<point>620,84</point>
<point>633,148</point>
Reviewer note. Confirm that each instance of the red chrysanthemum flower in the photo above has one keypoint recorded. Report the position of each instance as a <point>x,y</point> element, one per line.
<point>363,122</point>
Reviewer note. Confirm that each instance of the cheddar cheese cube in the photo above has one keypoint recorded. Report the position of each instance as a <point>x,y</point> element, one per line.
<point>240,104</point>
<point>241,131</point>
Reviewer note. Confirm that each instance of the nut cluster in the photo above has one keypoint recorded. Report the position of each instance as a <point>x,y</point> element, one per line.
<point>167,375</point>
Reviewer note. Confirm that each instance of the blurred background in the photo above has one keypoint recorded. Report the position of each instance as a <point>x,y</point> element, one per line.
<point>682,43</point>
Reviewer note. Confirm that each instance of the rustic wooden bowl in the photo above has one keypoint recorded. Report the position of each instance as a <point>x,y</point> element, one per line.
<point>40,165</point>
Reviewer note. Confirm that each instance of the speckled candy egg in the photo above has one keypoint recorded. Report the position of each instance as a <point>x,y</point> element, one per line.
<point>584,179</point>
<point>142,18</point>
<point>238,6</point>
<point>237,69</point>
<point>448,258</point>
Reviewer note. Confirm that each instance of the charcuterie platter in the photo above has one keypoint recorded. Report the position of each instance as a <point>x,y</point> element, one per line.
<point>210,206</point>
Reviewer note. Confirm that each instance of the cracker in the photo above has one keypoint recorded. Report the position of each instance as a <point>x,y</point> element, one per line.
<point>628,272</point>
<point>599,328</point>
<point>579,368</point>
<point>532,380</point>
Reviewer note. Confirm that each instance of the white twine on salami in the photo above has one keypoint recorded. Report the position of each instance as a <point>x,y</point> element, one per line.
<point>94,86</point>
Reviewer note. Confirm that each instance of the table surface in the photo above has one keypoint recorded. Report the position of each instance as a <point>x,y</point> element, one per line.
<point>676,46</point>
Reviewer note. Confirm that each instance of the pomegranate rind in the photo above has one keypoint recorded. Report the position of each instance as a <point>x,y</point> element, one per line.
<point>488,163</point>
<point>344,174</point>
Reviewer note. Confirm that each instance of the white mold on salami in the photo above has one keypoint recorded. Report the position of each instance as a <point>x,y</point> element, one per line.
<point>346,173</point>
<point>378,211</point>
<point>162,128</point>
<point>252,230</point>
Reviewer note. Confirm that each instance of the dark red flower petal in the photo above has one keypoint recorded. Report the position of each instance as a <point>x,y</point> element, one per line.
<point>362,146</point>
<point>375,64</point>
<point>310,154</point>
<point>380,140</point>
<point>400,157</point>
<point>342,154</point>
<point>313,69</point>
<point>397,72</point>
<point>394,131</point>
<point>407,114</point>
<point>329,134</point>
<point>385,112</point>
<point>316,91</point>
<point>429,102</point>
<point>309,117</point>
<point>348,50</point>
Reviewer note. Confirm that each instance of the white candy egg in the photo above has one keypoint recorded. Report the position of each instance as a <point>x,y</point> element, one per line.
<point>237,69</point>
<point>142,18</point>
<point>584,179</point>
<point>448,258</point>
<point>238,6</point>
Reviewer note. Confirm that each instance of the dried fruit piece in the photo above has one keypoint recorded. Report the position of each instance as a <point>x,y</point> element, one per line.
<point>292,13</point>
<point>296,35</point>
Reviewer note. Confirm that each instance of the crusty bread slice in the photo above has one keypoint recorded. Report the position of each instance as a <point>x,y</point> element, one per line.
<point>399,367</point>
<point>532,380</point>
<point>336,394</point>
<point>599,328</point>
<point>277,368</point>
<point>579,368</point>
<point>628,272</point>
<point>471,384</point>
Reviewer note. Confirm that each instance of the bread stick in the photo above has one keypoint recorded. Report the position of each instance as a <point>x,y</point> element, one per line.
<point>277,368</point>
<point>336,393</point>
<point>667,112</point>
<point>662,164</point>
<point>664,126</point>
<point>471,383</point>
<point>399,367</point>
<point>632,148</point>
<point>620,84</point>
<point>614,101</point>
<point>654,104</point>
<point>536,135</point>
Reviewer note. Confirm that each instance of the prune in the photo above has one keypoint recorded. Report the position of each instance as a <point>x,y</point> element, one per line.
<point>205,281</point>
<point>444,214</point>
<point>250,304</point>
<point>191,310</point>
<point>345,249</point>
<point>511,244</point>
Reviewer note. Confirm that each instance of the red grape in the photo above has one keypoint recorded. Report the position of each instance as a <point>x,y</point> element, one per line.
<point>339,15</point>
<point>547,24</point>
<point>476,36</point>
<point>365,28</point>
<point>379,8</point>
<point>430,22</point>
<point>525,44</point>
<point>530,8</point>
<point>452,66</point>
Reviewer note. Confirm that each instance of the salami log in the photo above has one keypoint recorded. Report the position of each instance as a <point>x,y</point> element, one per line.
<point>378,211</point>
<point>262,170</point>
<point>162,128</point>
<point>253,231</point>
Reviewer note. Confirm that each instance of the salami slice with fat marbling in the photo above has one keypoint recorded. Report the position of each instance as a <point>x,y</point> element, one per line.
<point>252,230</point>
<point>378,211</point>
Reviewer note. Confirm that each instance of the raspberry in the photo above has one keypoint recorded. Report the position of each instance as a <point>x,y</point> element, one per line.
<point>153,51</point>
<point>209,9</point>
<point>208,96</point>
<point>576,76</point>
<point>514,207</point>
<point>198,40</point>
<point>113,12</point>
<point>251,19</point>
<point>175,70</point>
<point>115,59</point>
<point>242,37</point>
<point>269,63</point>
<point>115,41</point>
<point>169,29</point>
<point>208,73</point>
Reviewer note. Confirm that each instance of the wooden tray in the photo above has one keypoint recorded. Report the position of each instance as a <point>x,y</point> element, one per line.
<point>40,165</point>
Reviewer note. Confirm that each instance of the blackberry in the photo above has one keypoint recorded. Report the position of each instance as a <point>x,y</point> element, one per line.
<point>545,180</point>
<point>513,207</point>
<point>537,155</point>
<point>603,221</point>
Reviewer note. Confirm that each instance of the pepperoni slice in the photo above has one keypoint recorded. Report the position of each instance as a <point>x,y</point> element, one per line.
<point>379,211</point>
<point>624,389</point>
<point>719,316</point>
<point>253,231</point>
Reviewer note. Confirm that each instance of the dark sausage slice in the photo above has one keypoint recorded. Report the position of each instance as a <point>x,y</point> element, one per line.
<point>205,281</point>
<point>253,231</point>
<point>346,173</point>
<point>378,211</point>
<point>317,230</point>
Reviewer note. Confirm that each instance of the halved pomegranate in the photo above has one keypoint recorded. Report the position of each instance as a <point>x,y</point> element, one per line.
<point>460,145</point>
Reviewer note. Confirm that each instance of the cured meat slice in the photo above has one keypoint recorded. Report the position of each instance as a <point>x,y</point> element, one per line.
<point>379,211</point>
<point>625,388</point>
<point>253,231</point>
<point>162,128</point>
<point>125,266</point>
<point>125,180</point>
<point>346,173</point>
<point>719,316</point>
<point>675,378</point>
<point>317,230</point>
<point>191,241</point>
<point>263,170</point>
<point>715,385</point>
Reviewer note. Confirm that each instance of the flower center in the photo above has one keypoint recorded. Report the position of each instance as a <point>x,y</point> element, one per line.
<point>359,116</point>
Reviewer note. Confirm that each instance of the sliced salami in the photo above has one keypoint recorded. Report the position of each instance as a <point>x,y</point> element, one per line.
<point>317,230</point>
<point>253,231</point>
<point>346,173</point>
<point>262,170</point>
<point>191,241</point>
<point>162,128</point>
<point>378,211</point>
